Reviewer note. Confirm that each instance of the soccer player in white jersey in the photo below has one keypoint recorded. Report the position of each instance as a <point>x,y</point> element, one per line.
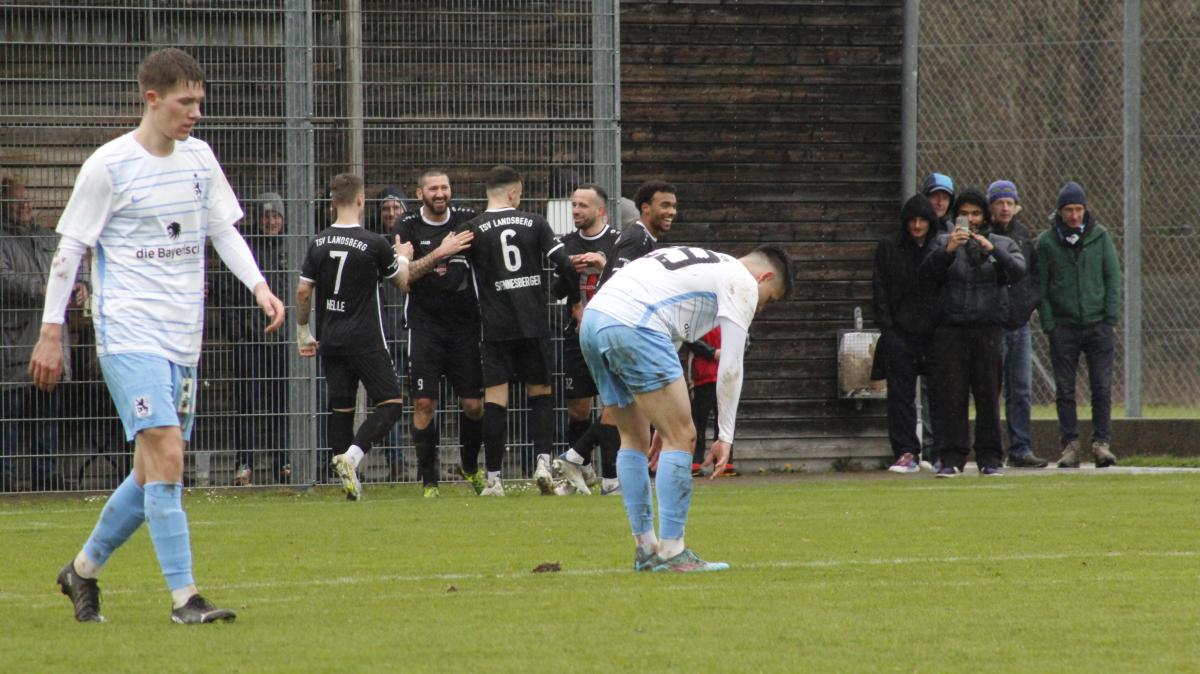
<point>632,329</point>
<point>145,203</point>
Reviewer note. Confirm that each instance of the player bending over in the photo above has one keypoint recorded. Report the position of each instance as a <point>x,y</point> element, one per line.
<point>631,332</point>
<point>145,203</point>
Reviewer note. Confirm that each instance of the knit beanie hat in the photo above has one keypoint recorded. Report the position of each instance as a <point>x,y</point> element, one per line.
<point>1002,189</point>
<point>935,182</point>
<point>1071,193</point>
<point>392,192</point>
<point>270,201</point>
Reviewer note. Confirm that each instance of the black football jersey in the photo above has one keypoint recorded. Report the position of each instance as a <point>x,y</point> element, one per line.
<point>588,281</point>
<point>509,273</point>
<point>346,264</point>
<point>633,243</point>
<point>444,295</point>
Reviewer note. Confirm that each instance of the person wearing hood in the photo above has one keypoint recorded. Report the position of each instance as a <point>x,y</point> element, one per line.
<point>391,207</point>
<point>971,267</point>
<point>1079,277</point>
<point>905,311</point>
<point>939,189</point>
<point>1017,351</point>
<point>261,359</point>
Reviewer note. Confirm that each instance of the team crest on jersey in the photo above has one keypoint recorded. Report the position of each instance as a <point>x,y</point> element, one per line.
<point>141,407</point>
<point>196,186</point>
<point>173,230</point>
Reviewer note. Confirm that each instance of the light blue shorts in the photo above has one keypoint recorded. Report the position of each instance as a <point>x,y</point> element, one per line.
<point>150,391</point>
<point>625,360</point>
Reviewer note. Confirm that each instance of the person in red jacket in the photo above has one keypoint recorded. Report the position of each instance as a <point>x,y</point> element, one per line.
<point>705,355</point>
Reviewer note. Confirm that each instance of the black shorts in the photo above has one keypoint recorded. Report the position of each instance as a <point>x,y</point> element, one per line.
<point>577,380</point>
<point>435,352</point>
<point>374,369</point>
<point>530,361</point>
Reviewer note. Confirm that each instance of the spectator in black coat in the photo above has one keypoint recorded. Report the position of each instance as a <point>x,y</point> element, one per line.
<point>905,310</point>
<point>972,267</point>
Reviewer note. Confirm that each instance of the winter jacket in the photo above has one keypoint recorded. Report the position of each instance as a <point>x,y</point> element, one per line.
<point>972,284</point>
<point>902,302</point>
<point>1080,285</point>
<point>25,256</point>
<point>1023,295</point>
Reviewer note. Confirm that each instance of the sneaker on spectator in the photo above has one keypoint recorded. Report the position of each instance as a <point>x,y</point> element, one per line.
<point>990,471</point>
<point>1026,459</point>
<point>1104,457</point>
<point>947,471</point>
<point>930,467</point>
<point>243,478</point>
<point>907,463</point>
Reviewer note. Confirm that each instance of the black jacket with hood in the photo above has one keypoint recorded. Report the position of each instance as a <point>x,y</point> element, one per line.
<point>973,282</point>
<point>902,302</point>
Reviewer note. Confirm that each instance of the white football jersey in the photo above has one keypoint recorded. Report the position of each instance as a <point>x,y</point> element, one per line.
<point>147,219</point>
<point>680,291</point>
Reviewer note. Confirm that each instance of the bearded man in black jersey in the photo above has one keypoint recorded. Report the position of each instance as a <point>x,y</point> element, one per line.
<point>442,316</point>
<point>506,259</point>
<point>345,264</point>
<point>591,244</point>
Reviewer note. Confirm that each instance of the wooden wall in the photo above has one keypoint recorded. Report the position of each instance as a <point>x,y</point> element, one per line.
<point>779,121</point>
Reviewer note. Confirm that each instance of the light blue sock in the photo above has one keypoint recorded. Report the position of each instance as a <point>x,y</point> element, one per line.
<point>673,482</point>
<point>169,532</point>
<point>121,516</point>
<point>633,470</point>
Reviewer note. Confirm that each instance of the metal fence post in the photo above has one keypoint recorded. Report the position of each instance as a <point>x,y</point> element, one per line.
<point>298,44</point>
<point>1133,207</point>
<point>604,100</point>
<point>908,98</point>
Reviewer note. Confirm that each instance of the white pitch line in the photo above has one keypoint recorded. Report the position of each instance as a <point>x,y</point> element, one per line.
<point>777,565</point>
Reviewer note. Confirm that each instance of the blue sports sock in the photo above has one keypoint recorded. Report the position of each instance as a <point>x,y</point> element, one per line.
<point>121,516</point>
<point>633,469</point>
<point>169,532</point>
<point>674,484</point>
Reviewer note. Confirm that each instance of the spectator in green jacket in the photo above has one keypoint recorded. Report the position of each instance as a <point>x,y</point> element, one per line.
<point>1079,277</point>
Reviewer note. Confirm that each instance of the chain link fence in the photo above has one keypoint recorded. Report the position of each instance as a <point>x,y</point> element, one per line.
<point>1032,91</point>
<point>298,91</point>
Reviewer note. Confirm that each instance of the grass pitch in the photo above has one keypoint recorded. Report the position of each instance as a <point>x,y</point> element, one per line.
<point>900,573</point>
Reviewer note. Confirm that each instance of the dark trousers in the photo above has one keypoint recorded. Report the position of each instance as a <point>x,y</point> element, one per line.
<point>29,427</point>
<point>965,363</point>
<point>262,424</point>
<point>704,404</point>
<point>903,363</point>
<point>1097,344</point>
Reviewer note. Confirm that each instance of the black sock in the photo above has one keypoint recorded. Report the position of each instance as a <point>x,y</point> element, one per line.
<point>341,431</point>
<point>541,423</point>
<point>495,427</point>
<point>377,424</point>
<point>470,437</point>
<point>581,436</point>
<point>425,442</point>
<point>610,443</point>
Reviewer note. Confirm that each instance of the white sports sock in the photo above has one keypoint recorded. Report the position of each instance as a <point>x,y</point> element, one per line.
<point>669,547</point>
<point>493,476</point>
<point>182,595</point>
<point>355,454</point>
<point>85,567</point>
<point>574,457</point>
<point>647,541</point>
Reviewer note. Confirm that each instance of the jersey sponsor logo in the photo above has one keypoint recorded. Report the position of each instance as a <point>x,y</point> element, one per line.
<point>167,253</point>
<point>142,407</point>
<point>173,230</point>
<point>138,197</point>
<point>196,186</point>
<point>335,305</point>
<point>519,282</point>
